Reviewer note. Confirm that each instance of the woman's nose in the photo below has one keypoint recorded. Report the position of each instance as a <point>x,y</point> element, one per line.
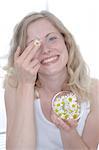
<point>44,47</point>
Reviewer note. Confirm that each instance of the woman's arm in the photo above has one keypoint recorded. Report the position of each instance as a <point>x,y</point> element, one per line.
<point>90,138</point>
<point>21,129</point>
<point>20,117</point>
<point>91,130</point>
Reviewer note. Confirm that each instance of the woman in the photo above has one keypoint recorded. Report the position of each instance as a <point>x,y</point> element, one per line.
<point>35,75</point>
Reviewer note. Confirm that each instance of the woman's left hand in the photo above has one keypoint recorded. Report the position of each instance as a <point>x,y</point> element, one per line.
<point>67,125</point>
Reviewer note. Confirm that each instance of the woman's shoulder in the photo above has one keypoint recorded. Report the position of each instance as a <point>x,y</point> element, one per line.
<point>95,87</point>
<point>94,82</point>
<point>95,92</point>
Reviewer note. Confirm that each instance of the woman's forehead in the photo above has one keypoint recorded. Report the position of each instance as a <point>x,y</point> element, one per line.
<point>41,27</point>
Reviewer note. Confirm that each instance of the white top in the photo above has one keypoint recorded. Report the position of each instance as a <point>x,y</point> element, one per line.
<point>48,135</point>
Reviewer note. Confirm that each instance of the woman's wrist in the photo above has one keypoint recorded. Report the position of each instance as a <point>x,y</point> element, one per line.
<point>72,140</point>
<point>25,92</point>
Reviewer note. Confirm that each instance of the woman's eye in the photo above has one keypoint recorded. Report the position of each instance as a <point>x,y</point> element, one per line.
<point>52,38</point>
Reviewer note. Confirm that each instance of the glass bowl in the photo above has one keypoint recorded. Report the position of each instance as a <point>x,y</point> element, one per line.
<point>66,105</point>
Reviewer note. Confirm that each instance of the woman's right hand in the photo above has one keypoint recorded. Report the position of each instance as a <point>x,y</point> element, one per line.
<point>26,66</point>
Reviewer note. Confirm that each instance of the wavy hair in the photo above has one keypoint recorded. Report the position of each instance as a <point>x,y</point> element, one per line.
<point>78,71</point>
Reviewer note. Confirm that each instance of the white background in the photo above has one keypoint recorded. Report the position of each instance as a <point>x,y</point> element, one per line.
<point>79,16</point>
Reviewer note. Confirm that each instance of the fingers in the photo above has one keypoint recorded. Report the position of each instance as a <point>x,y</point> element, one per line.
<point>17,53</point>
<point>63,124</point>
<point>34,63</point>
<point>34,66</point>
<point>59,122</point>
<point>35,70</point>
<point>72,123</point>
<point>27,52</point>
<point>67,125</point>
<point>31,54</point>
<point>28,49</point>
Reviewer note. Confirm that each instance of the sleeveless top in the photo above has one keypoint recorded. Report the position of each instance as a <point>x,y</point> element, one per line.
<point>48,135</point>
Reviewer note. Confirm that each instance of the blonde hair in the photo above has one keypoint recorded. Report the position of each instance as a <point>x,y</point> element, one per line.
<point>78,71</point>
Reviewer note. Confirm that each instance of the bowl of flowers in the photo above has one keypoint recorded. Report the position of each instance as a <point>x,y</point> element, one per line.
<point>66,105</point>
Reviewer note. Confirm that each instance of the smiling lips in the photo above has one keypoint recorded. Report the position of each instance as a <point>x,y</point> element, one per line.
<point>52,59</point>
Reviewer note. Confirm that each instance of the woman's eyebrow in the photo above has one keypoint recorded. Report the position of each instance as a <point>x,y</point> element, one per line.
<point>51,33</point>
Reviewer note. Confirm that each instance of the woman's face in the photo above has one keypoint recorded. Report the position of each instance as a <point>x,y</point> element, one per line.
<point>52,54</point>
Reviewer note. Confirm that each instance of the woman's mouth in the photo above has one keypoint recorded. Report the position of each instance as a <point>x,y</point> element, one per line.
<point>49,60</point>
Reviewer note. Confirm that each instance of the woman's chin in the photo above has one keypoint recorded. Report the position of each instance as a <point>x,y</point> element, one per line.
<point>51,70</point>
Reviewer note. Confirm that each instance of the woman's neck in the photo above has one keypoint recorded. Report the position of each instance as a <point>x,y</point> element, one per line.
<point>53,84</point>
